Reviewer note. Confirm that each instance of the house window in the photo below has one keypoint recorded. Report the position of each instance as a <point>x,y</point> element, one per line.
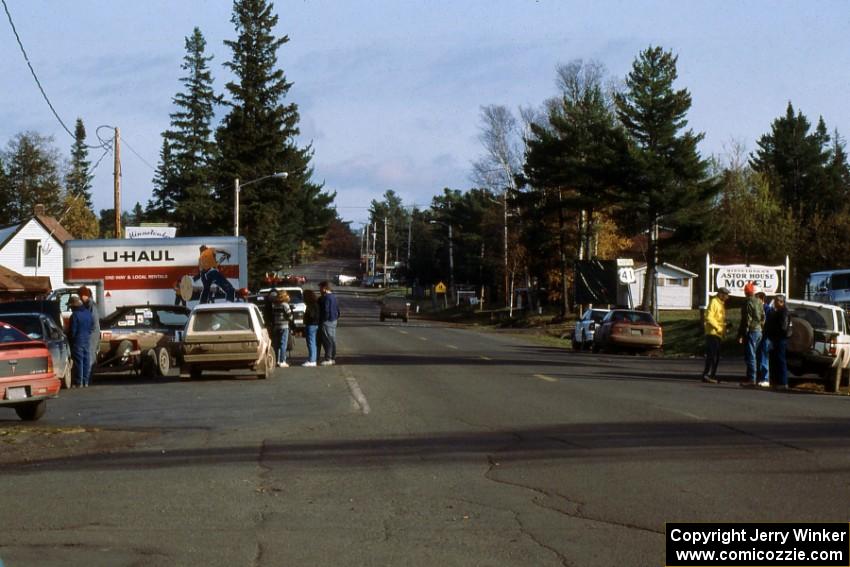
<point>32,253</point>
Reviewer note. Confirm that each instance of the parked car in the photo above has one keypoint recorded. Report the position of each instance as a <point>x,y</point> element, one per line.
<point>586,328</point>
<point>628,329</point>
<point>27,379</point>
<point>142,335</point>
<point>226,336</point>
<point>818,333</point>
<point>41,327</point>
<point>343,279</point>
<point>395,307</point>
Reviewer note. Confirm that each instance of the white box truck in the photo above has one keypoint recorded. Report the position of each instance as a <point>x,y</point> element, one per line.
<point>145,270</point>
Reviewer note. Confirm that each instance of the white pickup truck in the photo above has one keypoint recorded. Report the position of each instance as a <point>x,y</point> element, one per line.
<point>819,342</point>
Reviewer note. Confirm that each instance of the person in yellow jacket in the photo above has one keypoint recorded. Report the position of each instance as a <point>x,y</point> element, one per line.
<point>715,328</point>
<point>208,263</point>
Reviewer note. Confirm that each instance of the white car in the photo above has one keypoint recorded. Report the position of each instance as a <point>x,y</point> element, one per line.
<point>226,336</point>
<point>296,301</point>
<point>343,279</point>
<point>586,328</point>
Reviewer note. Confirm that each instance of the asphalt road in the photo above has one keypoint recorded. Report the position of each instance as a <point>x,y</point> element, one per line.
<point>425,445</point>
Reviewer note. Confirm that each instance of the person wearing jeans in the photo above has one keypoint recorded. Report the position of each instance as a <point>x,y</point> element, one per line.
<point>311,326</point>
<point>328,317</point>
<point>750,334</point>
<point>777,328</point>
<point>715,328</point>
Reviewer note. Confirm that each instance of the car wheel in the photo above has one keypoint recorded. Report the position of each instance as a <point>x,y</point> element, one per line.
<point>268,365</point>
<point>148,363</point>
<point>31,411</point>
<point>68,376</point>
<point>595,347</point>
<point>576,345</point>
<point>163,361</point>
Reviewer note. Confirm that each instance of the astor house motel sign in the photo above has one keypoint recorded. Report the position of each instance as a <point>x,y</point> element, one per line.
<point>771,279</point>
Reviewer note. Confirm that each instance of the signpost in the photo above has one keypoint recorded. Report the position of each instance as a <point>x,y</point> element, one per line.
<point>771,279</point>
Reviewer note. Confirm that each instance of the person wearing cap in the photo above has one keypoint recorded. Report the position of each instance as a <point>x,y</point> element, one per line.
<point>79,335</point>
<point>94,342</point>
<point>715,328</point>
<point>750,333</point>
<point>777,329</point>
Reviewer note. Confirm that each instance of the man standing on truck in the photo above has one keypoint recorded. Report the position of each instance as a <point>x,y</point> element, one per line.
<point>749,334</point>
<point>208,263</point>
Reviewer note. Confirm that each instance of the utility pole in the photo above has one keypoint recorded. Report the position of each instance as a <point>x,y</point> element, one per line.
<point>117,183</point>
<point>385,251</point>
<point>506,246</point>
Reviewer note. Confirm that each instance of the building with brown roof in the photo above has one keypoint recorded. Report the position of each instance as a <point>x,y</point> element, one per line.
<point>35,248</point>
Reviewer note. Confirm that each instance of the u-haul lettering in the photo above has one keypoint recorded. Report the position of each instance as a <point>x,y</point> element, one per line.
<point>134,256</point>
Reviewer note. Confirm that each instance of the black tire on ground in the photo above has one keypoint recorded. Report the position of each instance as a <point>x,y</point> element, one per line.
<point>595,347</point>
<point>31,411</point>
<point>405,319</point>
<point>831,379</point>
<point>148,363</point>
<point>802,336</point>
<point>576,345</point>
<point>163,361</point>
<point>383,318</point>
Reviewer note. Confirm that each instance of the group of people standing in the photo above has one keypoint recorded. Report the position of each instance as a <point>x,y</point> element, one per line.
<point>83,335</point>
<point>320,321</point>
<point>764,331</point>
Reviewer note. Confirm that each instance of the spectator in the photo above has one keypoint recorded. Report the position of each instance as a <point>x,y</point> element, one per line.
<point>715,329</point>
<point>311,326</point>
<point>281,320</point>
<point>750,333</point>
<point>328,318</point>
<point>79,336</point>
<point>764,347</point>
<point>777,329</point>
<point>94,341</point>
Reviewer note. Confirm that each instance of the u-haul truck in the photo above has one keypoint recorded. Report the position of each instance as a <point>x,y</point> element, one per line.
<point>146,270</point>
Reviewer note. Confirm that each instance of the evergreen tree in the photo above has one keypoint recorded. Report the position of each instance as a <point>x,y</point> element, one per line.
<point>32,177</point>
<point>78,179</point>
<point>79,219</point>
<point>183,182</point>
<point>795,160</point>
<point>256,139</point>
<point>667,181</point>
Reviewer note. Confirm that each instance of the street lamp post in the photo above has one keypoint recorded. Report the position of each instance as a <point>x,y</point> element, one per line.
<point>237,187</point>
<point>451,256</point>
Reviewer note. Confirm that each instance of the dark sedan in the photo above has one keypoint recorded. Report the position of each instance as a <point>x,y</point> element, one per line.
<point>143,336</point>
<point>628,330</point>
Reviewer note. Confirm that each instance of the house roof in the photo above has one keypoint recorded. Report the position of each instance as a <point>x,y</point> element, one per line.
<point>11,280</point>
<point>50,224</point>
<point>642,267</point>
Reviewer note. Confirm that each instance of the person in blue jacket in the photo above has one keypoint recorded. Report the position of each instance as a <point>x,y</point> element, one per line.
<point>80,337</point>
<point>328,317</point>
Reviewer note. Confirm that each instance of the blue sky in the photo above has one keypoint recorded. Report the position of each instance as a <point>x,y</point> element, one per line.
<point>390,91</point>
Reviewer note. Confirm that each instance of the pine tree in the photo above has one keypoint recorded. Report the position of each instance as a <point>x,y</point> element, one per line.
<point>183,181</point>
<point>667,182</point>
<point>32,177</point>
<point>78,179</point>
<point>256,139</point>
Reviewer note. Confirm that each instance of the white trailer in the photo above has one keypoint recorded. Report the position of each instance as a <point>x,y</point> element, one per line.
<point>146,270</point>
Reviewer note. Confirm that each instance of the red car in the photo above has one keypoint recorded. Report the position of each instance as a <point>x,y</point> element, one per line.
<point>27,379</point>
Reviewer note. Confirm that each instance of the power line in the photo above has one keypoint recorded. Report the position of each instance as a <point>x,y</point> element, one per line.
<point>126,143</point>
<point>34,76</point>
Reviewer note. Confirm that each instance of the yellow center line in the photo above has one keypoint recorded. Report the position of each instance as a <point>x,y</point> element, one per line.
<point>546,378</point>
<point>422,338</point>
<point>452,346</point>
<point>403,332</point>
<point>482,357</point>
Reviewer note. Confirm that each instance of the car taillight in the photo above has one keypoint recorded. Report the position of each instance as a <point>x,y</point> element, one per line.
<point>833,346</point>
<point>619,329</point>
<point>656,331</point>
<point>50,365</point>
<point>106,335</point>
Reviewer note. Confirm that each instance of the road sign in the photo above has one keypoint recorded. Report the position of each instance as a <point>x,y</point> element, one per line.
<point>440,288</point>
<point>626,275</point>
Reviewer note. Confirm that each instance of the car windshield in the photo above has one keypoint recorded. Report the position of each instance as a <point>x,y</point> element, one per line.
<point>597,315</point>
<point>9,334</point>
<point>221,320</point>
<point>171,318</point>
<point>295,296</point>
<point>840,281</point>
<point>29,325</point>
<point>632,317</point>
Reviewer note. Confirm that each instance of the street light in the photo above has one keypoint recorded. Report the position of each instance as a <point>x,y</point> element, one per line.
<point>451,255</point>
<point>237,187</point>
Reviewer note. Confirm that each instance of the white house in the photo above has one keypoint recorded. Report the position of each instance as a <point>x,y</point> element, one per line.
<point>675,287</point>
<point>35,247</point>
